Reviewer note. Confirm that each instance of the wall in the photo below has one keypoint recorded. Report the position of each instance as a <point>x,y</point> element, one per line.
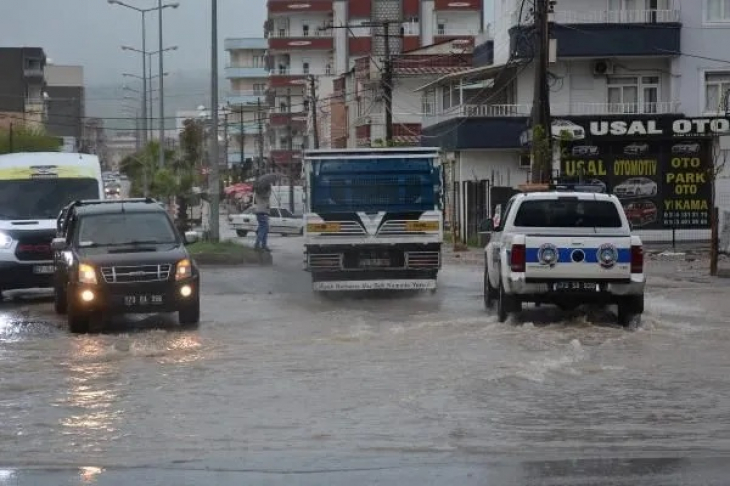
<point>427,19</point>
<point>247,58</point>
<point>65,111</point>
<point>12,85</point>
<point>407,102</point>
<point>708,40</point>
<point>579,85</point>
<point>57,75</point>
<point>499,167</point>
<point>247,84</point>
<point>341,36</point>
<point>455,23</point>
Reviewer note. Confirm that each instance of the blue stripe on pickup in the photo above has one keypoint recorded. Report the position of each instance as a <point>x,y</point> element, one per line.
<point>624,255</point>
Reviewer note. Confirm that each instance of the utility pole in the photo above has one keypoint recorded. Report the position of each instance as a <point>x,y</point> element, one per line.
<point>387,86</point>
<point>541,149</point>
<point>144,78</point>
<point>260,120</point>
<point>11,142</point>
<point>161,160</point>
<point>214,180</point>
<point>225,143</point>
<point>313,107</point>
<point>242,139</point>
<point>290,147</point>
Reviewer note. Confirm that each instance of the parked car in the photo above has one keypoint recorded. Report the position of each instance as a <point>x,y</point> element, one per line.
<point>559,129</point>
<point>686,148</point>
<point>281,221</point>
<point>636,148</point>
<point>641,213</point>
<point>585,150</point>
<point>636,187</point>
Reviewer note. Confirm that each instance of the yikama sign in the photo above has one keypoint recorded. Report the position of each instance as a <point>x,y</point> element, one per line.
<point>660,170</point>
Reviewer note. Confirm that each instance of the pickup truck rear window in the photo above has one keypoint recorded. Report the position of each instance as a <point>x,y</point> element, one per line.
<point>568,213</point>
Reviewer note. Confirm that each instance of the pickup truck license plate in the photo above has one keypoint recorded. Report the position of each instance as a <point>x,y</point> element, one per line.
<point>130,300</point>
<point>43,269</point>
<point>575,286</point>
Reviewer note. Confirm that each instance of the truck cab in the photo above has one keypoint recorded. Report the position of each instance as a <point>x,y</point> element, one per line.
<point>564,247</point>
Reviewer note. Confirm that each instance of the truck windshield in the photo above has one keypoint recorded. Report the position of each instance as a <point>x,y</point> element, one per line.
<point>567,213</point>
<point>42,198</point>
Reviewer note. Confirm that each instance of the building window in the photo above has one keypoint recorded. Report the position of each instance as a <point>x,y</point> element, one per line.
<point>328,69</point>
<point>305,68</point>
<point>427,102</point>
<point>305,30</point>
<point>633,94</point>
<point>717,89</point>
<point>259,88</point>
<point>282,32</point>
<point>282,107</point>
<point>445,98</point>
<point>441,29</point>
<point>259,61</point>
<point>717,10</point>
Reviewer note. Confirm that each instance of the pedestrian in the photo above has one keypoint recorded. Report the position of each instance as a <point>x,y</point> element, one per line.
<point>262,199</point>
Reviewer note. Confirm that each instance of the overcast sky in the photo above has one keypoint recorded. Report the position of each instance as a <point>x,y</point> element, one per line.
<point>90,32</point>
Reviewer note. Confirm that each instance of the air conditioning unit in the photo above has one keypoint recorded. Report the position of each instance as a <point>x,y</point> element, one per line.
<point>524,161</point>
<point>602,67</point>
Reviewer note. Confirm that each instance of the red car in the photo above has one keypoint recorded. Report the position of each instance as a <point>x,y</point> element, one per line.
<point>641,213</point>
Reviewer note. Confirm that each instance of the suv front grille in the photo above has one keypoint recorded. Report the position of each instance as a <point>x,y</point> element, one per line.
<point>140,273</point>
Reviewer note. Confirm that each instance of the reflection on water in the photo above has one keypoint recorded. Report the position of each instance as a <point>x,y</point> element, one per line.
<point>89,473</point>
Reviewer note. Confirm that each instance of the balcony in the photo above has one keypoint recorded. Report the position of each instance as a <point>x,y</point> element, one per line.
<point>606,34</point>
<point>250,127</point>
<point>288,77</point>
<point>286,40</point>
<point>296,120</point>
<point>298,6</point>
<point>557,110</point>
<point>452,5</point>
<point>285,157</point>
<point>246,72</point>
<point>248,43</point>
<point>246,97</point>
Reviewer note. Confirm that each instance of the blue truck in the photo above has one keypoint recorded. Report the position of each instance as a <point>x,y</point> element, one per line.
<point>373,218</point>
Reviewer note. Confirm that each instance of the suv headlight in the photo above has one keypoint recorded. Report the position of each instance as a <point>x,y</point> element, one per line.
<point>5,241</point>
<point>183,270</point>
<point>87,274</point>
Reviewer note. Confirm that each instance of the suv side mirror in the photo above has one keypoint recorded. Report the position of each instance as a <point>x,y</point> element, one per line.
<point>191,237</point>
<point>58,244</point>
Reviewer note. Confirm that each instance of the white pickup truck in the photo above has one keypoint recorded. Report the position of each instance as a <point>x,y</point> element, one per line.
<point>565,248</point>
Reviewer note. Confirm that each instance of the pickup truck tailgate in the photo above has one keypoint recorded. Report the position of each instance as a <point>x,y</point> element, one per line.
<point>577,257</point>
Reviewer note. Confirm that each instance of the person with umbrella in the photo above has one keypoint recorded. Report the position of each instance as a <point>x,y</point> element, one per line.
<point>262,205</point>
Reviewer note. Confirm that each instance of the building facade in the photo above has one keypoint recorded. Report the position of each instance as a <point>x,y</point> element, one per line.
<point>22,86</point>
<point>311,44</point>
<point>248,74</point>
<point>618,61</point>
<point>65,101</point>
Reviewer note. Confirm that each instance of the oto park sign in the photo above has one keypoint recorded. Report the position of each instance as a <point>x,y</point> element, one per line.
<point>660,169</point>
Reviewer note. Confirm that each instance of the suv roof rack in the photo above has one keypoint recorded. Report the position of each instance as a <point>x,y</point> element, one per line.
<point>91,202</point>
<point>562,185</point>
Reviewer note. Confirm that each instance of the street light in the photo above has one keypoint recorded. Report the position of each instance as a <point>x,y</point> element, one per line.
<point>214,175</point>
<point>143,11</point>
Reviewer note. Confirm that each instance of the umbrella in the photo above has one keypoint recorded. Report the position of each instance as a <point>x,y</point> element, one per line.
<point>239,188</point>
<point>264,183</point>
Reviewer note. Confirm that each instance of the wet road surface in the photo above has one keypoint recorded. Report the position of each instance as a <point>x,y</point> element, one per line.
<point>281,387</point>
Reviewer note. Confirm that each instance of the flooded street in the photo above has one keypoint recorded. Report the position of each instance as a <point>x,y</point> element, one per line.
<point>281,387</point>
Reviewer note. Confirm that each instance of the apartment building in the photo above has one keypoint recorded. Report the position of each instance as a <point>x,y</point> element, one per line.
<point>22,86</point>
<point>65,101</point>
<point>247,72</point>
<point>649,61</point>
<point>322,39</point>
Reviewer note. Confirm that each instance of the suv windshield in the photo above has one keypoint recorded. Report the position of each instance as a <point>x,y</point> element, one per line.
<point>42,198</point>
<point>568,213</point>
<point>122,229</point>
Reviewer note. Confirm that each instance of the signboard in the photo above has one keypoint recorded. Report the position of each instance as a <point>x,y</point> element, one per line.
<point>659,169</point>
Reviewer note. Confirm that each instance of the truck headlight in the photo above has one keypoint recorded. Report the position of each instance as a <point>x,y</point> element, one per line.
<point>87,274</point>
<point>5,241</point>
<point>183,270</point>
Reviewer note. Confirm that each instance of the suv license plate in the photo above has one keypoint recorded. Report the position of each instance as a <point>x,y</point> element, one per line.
<point>374,262</point>
<point>43,269</point>
<point>130,300</point>
<point>573,286</point>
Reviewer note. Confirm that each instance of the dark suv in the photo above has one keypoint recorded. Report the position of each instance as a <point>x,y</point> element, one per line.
<point>122,256</point>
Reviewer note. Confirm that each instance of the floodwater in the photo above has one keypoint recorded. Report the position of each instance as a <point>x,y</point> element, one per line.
<point>400,388</point>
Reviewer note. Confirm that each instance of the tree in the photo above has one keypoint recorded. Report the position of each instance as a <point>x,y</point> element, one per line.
<point>191,145</point>
<point>18,138</point>
<point>147,179</point>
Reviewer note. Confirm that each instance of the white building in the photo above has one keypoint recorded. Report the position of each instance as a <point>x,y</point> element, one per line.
<point>248,74</point>
<point>615,60</point>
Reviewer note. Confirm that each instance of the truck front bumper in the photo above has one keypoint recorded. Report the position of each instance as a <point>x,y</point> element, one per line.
<point>382,284</point>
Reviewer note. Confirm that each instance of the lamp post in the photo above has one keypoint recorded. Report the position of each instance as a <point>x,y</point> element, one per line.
<point>214,175</point>
<point>143,11</point>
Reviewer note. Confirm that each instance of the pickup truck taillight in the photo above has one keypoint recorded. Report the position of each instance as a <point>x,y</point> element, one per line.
<point>637,259</point>
<point>517,258</point>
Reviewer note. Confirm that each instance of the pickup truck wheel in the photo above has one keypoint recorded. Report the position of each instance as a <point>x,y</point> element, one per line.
<point>241,233</point>
<point>506,304</point>
<point>78,321</point>
<point>189,315</point>
<point>629,308</point>
<point>490,293</point>
<point>60,301</point>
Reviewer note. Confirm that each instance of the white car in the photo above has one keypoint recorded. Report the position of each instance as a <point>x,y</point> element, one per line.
<point>686,148</point>
<point>585,150</point>
<point>565,248</point>
<point>559,129</point>
<point>281,221</point>
<point>636,187</point>
<point>636,148</point>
